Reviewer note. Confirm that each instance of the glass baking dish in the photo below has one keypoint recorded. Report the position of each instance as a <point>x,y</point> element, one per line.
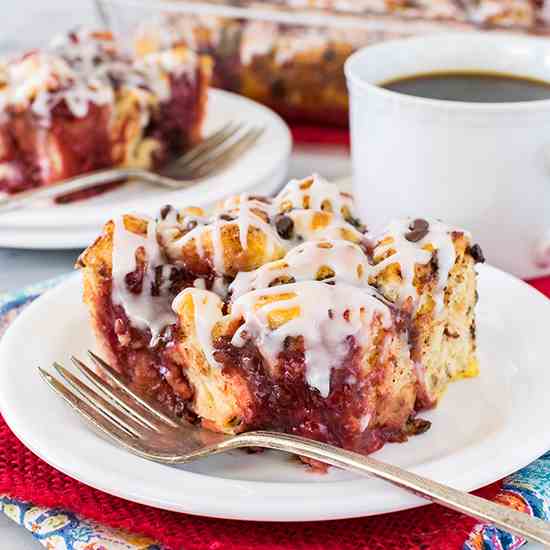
<point>289,54</point>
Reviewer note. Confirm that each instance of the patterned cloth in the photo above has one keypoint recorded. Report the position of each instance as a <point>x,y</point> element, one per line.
<point>527,490</point>
<point>59,529</point>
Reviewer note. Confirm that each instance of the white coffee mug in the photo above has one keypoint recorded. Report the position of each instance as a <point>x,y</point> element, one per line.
<point>484,167</point>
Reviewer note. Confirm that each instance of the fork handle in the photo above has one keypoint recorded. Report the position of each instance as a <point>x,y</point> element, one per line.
<point>78,183</point>
<point>85,181</point>
<point>512,521</point>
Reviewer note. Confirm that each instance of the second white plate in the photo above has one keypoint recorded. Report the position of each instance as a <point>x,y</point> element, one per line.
<point>262,169</point>
<point>503,413</point>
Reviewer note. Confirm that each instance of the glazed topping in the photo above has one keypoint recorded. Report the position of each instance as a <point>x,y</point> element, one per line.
<point>166,30</point>
<point>411,242</point>
<point>84,68</point>
<point>140,279</point>
<point>231,204</point>
<point>257,40</point>
<point>282,230</point>
<point>314,225</point>
<point>283,43</point>
<point>245,220</point>
<point>292,44</point>
<point>476,253</point>
<point>207,312</point>
<point>43,80</point>
<point>324,316</point>
<point>314,193</point>
<point>328,261</point>
<point>159,68</point>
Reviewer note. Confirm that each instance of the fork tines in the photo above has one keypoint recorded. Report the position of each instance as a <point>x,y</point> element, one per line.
<point>106,401</point>
<point>216,151</point>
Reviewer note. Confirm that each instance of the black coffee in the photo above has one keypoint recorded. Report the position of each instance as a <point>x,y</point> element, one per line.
<point>471,86</point>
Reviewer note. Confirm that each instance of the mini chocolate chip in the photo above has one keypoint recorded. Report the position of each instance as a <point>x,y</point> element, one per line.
<point>191,224</point>
<point>164,211</point>
<point>157,283</point>
<point>134,280</point>
<point>418,230</point>
<point>416,426</point>
<point>476,253</point>
<point>278,89</point>
<point>450,334</point>
<point>284,226</point>
<point>329,55</point>
<point>259,198</point>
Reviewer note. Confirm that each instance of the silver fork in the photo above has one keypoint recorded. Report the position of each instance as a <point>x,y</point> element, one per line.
<point>205,159</point>
<point>106,401</point>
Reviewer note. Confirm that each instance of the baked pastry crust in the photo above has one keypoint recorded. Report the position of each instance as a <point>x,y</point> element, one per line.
<point>277,313</point>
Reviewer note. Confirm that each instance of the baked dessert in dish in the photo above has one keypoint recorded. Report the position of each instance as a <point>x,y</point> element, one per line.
<point>80,105</point>
<point>280,67</point>
<point>273,52</point>
<point>285,313</point>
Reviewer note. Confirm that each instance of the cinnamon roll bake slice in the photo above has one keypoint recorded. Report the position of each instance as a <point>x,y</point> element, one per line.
<point>284,313</point>
<point>81,105</point>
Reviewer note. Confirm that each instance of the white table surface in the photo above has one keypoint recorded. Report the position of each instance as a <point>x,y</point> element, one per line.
<point>32,22</point>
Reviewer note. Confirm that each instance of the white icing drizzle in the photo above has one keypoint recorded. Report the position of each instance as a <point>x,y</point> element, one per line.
<point>324,315</point>
<point>258,39</point>
<point>314,192</point>
<point>421,8</point>
<point>292,44</point>
<point>43,80</point>
<point>167,30</point>
<point>250,212</point>
<point>344,258</point>
<point>173,225</point>
<point>505,13</point>
<point>232,204</point>
<point>200,284</point>
<point>365,420</point>
<point>84,68</point>
<point>143,310</point>
<point>158,67</point>
<point>208,311</point>
<point>407,254</point>
<point>245,219</point>
<point>337,228</point>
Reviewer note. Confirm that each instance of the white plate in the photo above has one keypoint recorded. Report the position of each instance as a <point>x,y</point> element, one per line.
<point>484,428</point>
<point>262,168</point>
